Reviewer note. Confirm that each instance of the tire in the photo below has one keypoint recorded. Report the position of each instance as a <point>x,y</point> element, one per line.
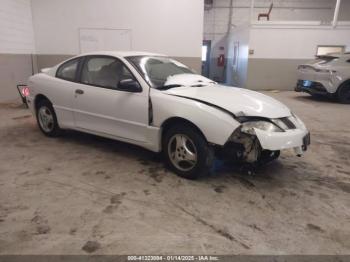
<point>343,93</point>
<point>187,152</point>
<point>46,119</point>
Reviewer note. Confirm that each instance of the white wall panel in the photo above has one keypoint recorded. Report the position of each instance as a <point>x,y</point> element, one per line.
<point>163,26</point>
<point>16,28</point>
<point>91,40</point>
<point>294,43</point>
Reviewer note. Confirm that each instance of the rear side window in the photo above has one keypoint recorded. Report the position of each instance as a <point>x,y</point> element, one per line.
<point>68,70</point>
<point>104,72</point>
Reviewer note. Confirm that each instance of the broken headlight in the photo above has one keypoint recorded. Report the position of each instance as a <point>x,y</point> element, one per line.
<point>248,127</point>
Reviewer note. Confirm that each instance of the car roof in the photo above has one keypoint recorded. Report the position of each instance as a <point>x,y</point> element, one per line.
<point>118,54</point>
<point>122,53</point>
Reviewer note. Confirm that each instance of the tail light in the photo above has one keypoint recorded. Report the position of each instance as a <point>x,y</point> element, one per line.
<point>24,92</point>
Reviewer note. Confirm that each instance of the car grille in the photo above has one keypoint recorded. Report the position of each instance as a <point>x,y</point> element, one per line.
<point>288,122</point>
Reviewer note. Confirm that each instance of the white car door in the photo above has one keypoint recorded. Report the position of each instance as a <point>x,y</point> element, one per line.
<point>61,92</point>
<point>102,108</point>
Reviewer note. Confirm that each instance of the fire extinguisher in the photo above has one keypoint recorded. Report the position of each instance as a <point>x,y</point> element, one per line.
<point>221,60</point>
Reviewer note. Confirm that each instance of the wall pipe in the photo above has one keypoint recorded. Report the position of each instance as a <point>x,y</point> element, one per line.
<point>336,13</point>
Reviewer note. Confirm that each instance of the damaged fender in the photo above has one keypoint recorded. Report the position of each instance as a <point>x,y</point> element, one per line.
<point>216,125</point>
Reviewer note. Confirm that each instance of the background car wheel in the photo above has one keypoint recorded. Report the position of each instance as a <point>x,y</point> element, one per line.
<point>46,118</point>
<point>187,152</point>
<point>344,93</point>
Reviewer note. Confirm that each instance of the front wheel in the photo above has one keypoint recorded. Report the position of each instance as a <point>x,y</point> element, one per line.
<point>187,152</point>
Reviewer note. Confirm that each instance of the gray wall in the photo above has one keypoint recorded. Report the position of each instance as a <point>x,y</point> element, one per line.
<point>43,61</point>
<point>16,45</point>
<point>14,69</point>
<point>269,74</point>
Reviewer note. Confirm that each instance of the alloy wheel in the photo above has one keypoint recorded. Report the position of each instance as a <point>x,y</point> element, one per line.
<point>182,152</point>
<point>46,119</point>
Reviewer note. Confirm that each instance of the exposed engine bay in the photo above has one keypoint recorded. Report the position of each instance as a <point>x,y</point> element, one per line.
<point>245,148</point>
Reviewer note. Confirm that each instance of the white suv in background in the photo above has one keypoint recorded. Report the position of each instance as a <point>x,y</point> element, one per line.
<point>326,75</point>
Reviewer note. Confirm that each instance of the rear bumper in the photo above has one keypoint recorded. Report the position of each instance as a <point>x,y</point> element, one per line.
<point>30,104</point>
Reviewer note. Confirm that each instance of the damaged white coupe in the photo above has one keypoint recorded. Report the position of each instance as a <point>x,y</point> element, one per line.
<point>160,104</point>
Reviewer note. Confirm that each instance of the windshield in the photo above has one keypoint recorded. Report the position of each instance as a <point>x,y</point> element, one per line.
<point>157,69</point>
<point>325,59</point>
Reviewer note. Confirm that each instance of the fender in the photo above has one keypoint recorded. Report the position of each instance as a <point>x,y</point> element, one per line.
<point>209,104</point>
<point>216,123</point>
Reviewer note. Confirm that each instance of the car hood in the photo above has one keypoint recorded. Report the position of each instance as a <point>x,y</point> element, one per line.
<point>239,101</point>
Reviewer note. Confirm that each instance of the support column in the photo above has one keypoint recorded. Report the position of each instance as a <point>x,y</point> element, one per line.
<point>251,10</point>
<point>336,13</point>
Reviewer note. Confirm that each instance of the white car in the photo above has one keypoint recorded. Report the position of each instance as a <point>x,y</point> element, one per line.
<point>160,104</point>
<point>326,75</point>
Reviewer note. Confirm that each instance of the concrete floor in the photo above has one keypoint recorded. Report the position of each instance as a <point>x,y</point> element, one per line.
<point>79,194</point>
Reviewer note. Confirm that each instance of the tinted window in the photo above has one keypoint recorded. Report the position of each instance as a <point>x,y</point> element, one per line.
<point>68,70</point>
<point>104,72</point>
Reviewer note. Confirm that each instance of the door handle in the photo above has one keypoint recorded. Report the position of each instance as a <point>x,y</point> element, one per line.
<point>79,91</point>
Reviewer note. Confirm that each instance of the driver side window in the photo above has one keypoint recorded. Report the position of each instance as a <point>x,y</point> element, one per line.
<point>104,72</point>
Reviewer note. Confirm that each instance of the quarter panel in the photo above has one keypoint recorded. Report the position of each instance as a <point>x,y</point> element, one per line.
<point>59,92</point>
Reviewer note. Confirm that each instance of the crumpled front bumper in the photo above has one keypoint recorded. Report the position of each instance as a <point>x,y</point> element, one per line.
<point>298,139</point>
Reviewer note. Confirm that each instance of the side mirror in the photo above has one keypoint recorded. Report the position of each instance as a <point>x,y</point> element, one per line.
<point>129,85</point>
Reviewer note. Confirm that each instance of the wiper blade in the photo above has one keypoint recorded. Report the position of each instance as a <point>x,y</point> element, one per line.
<point>202,84</point>
<point>166,87</point>
<point>197,85</point>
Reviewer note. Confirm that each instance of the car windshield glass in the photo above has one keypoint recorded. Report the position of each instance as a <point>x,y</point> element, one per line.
<point>325,59</point>
<point>157,69</point>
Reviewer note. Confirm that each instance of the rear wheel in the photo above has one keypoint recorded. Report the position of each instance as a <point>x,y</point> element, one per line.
<point>187,152</point>
<point>46,118</point>
<point>344,93</point>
